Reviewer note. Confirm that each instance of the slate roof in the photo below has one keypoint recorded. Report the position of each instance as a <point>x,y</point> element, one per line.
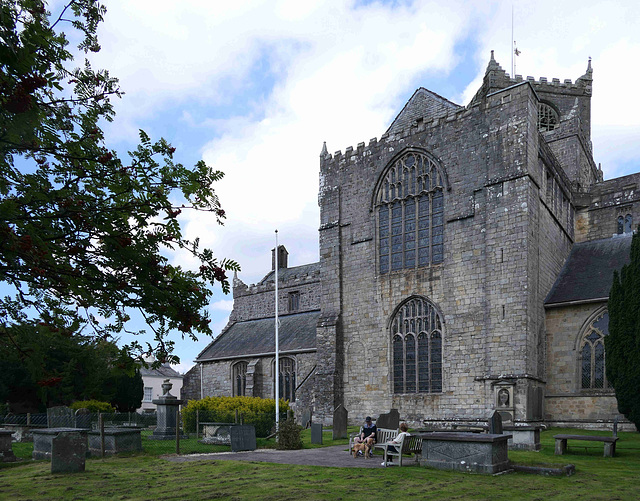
<point>423,104</point>
<point>285,274</point>
<point>588,272</point>
<point>297,332</point>
<point>162,371</point>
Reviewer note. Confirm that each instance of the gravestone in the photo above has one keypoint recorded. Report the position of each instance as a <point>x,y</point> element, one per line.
<point>6,450</point>
<point>167,412</point>
<point>615,427</point>
<point>316,433</point>
<point>495,423</point>
<point>243,438</point>
<point>306,417</point>
<point>68,452</point>
<point>390,420</point>
<point>83,419</point>
<point>60,417</point>
<point>340,416</point>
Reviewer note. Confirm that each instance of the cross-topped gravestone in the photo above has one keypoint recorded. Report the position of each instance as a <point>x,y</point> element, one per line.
<point>495,423</point>
<point>68,452</point>
<point>340,416</point>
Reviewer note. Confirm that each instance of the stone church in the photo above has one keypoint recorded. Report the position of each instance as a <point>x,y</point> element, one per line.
<point>466,258</point>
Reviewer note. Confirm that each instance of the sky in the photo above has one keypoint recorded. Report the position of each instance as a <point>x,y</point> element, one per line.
<point>254,87</point>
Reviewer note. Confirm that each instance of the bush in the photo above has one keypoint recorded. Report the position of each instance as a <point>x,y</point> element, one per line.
<point>93,406</point>
<point>289,435</point>
<point>259,412</point>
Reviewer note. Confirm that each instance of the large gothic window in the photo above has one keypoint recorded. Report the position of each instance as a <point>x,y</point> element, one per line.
<point>410,214</point>
<point>287,379</point>
<point>592,372</point>
<point>547,117</point>
<point>240,379</point>
<point>416,336</point>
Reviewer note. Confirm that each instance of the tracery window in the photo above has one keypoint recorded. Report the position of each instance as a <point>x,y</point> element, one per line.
<point>240,379</point>
<point>592,354</point>
<point>624,224</point>
<point>410,214</point>
<point>547,117</point>
<point>287,379</point>
<point>416,336</point>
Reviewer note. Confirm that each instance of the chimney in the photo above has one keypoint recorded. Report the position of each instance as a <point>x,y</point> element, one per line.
<point>283,258</point>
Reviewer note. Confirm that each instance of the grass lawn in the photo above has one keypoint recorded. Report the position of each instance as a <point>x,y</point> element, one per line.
<point>146,476</point>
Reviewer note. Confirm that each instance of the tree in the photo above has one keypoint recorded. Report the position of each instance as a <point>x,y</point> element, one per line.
<point>83,234</point>
<point>622,345</point>
<point>129,390</point>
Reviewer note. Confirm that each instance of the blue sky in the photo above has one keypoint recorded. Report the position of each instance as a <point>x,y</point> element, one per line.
<point>255,87</point>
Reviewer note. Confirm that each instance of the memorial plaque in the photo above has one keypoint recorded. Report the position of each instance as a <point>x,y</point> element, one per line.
<point>316,433</point>
<point>68,452</point>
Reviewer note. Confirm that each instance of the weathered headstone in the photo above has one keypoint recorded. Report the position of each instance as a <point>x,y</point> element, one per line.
<point>83,418</point>
<point>6,451</point>
<point>306,417</point>
<point>68,452</point>
<point>340,416</point>
<point>316,433</point>
<point>60,417</point>
<point>390,420</point>
<point>495,423</point>
<point>243,438</point>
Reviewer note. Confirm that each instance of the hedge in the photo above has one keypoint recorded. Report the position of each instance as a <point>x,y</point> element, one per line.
<point>259,412</point>
<point>94,406</point>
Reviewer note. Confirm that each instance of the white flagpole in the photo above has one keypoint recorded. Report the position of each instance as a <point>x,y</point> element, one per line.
<point>277,366</point>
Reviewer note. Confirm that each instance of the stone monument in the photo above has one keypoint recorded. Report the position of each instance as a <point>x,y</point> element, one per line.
<point>340,416</point>
<point>167,412</point>
<point>60,417</point>
<point>6,451</point>
<point>68,452</point>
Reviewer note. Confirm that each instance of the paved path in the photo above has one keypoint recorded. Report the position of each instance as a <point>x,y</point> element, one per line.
<point>335,455</point>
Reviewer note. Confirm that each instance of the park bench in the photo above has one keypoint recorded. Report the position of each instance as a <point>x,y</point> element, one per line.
<point>609,443</point>
<point>382,435</point>
<point>411,444</point>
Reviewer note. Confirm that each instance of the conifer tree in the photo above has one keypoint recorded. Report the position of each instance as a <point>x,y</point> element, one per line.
<point>623,342</point>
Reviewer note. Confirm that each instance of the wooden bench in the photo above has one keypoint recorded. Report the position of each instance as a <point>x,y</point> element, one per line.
<point>411,444</point>
<point>609,443</point>
<point>382,435</point>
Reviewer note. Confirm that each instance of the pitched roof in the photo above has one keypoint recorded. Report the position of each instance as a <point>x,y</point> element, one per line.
<point>588,272</point>
<point>297,332</point>
<point>423,104</point>
<point>285,274</point>
<point>162,371</point>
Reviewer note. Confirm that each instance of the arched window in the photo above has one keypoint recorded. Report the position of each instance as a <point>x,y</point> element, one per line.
<point>240,379</point>
<point>624,224</point>
<point>547,117</point>
<point>410,214</point>
<point>592,373</point>
<point>287,379</point>
<point>416,337</point>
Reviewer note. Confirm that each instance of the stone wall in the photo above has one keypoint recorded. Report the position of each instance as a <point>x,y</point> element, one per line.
<point>191,384</point>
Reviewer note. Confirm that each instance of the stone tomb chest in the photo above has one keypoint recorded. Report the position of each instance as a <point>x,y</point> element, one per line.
<point>472,452</point>
<point>116,440</point>
<point>42,440</point>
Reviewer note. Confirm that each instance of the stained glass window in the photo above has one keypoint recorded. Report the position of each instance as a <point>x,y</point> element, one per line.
<point>416,331</point>
<point>410,214</point>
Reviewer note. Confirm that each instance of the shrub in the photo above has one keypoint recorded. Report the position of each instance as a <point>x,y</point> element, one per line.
<point>259,412</point>
<point>93,406</point>
<point>289,435</point>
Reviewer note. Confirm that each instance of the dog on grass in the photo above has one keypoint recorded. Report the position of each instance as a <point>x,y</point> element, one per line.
<point>364,447</point>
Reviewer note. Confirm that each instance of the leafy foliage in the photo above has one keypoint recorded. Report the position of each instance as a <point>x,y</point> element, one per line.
<point>622,345</point>
<point>259,412</point>
<point>94,406</point>
<point>289,435</point>
<point>83,234</point>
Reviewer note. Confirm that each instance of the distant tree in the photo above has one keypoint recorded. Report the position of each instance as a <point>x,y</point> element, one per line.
<point>128,390</point>
<point>622,345</point>
<point>83,234</point>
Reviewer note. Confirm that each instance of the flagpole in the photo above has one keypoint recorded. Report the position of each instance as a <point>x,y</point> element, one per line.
<point>277,367</point>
